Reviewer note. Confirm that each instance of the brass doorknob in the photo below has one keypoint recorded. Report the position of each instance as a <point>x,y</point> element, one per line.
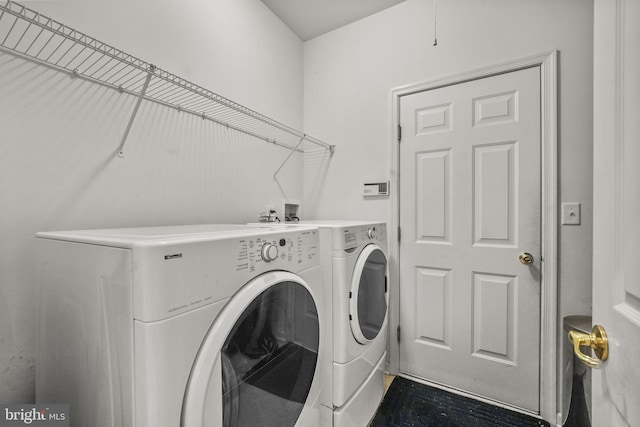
<point>597,340</point>
<point>526,258</point>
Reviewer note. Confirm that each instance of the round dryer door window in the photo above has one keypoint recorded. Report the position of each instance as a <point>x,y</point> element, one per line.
<point>368,296</point>
<point>258,360</point>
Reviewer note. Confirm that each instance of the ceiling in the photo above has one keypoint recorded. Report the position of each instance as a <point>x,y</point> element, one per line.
<point>311,18</point>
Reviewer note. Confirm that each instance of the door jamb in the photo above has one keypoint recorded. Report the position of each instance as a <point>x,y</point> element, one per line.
<point>549,388</point>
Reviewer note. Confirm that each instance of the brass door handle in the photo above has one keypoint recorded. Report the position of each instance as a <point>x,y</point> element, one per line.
<point>526,258</point>
<point>597,340</point>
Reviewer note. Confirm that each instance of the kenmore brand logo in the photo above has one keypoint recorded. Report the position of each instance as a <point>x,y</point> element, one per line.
<point>41,415</point>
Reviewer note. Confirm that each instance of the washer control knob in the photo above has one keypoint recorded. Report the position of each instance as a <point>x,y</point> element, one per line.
<point>371,233</point>
<point>269,252</point>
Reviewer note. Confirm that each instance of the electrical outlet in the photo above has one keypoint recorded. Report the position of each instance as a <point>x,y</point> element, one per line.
<point>571,213</point>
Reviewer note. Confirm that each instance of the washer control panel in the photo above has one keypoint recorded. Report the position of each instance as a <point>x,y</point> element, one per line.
<point>291,249</point>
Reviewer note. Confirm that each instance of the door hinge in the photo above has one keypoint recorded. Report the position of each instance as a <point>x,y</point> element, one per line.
<point>398,333</point>
<point>399,133</point>
<point>399,234</point>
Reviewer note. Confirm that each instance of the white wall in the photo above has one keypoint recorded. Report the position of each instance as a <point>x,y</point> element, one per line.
<point>58,137</point>
<point>349,73</point>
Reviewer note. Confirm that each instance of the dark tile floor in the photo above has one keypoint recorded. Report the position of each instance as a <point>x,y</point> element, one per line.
<point>408,403</point>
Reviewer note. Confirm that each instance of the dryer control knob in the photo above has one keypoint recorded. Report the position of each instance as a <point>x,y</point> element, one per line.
<point>269,252</point>
<point>371,233</point>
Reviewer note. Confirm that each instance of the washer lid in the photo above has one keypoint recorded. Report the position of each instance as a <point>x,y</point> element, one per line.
<point>258,360</point>
<point>369,297</point>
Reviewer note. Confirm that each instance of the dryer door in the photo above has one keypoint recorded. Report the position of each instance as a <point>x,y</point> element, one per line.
<point>368,298</point>
<point>258,360</point>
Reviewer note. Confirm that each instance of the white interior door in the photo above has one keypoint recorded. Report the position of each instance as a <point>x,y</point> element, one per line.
<point>616,270</point>
<point>469,207</point>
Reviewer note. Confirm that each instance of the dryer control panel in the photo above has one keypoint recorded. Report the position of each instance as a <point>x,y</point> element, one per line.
<point>351,237</point>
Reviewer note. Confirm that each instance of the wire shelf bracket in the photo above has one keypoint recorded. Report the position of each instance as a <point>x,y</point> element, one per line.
<point>135,110</point>
<point>293,150</point>
<point>32,36</point>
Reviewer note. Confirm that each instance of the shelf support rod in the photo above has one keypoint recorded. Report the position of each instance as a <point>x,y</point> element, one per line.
<point>143,92</point>
<point>293,150</point>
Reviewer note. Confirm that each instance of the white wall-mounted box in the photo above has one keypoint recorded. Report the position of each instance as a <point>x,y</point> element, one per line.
<point>375,189</point>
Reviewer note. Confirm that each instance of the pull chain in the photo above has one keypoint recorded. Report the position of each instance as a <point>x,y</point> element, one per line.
<point>435,23</point>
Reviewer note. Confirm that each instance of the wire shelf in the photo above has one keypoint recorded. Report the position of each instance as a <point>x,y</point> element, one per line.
<point>33,36</point>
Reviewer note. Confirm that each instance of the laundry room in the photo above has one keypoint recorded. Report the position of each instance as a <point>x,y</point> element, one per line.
<point>77,153</point>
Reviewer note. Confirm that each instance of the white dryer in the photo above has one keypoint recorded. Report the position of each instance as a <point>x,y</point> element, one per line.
<point>186,326</point>
<point>354,264</point>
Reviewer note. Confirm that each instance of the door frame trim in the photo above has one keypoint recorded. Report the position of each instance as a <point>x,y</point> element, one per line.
<point>548,63</point>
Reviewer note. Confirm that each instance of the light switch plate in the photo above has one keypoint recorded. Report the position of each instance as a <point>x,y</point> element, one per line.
<point>571,213</point>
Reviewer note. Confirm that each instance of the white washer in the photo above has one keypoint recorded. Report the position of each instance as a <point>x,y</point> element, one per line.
<point>181,326</point>
<point>354,262</point>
